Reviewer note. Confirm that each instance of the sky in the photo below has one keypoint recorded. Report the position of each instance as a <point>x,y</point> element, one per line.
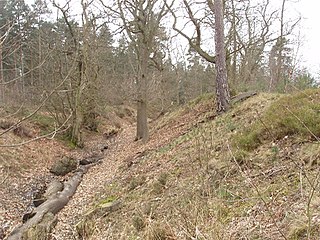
<point>307,33</point>
<point>310,32</point>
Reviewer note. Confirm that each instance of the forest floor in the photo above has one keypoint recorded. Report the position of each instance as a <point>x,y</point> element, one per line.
<point>188,182</point>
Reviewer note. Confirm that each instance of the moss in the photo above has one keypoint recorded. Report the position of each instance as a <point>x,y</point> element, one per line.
<point>107,200</point>
<point>66,140</point>
<point>64,166</point>
<point>248,140</point>
<point>297,114</point>
<point>45,122</point>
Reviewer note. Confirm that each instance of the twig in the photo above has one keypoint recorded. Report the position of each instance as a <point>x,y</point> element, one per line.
<point>269,172</point>
<point>4,179</point>
<point>257,190</point>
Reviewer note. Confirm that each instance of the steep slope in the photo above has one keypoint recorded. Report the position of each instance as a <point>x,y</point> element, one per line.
<point>25,163</point>
<point>193,180</point>
<point>23,172</point>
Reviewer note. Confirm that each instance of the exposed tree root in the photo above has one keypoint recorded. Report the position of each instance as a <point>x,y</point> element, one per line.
<point>42,218</point>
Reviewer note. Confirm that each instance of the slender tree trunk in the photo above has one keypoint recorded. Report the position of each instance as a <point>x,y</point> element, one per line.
<point>142,118</point>
<point>76,136</point>
<point>235,45</point>
<point>40,80</point>
<point>222,88</point>
<point>77,123</point>
<point>21,72</point>
<point>1,78</point>
<point>281,45</point>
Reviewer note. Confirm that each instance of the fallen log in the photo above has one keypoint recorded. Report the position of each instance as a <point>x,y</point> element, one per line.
<point>43,217</point>
<point>241,97</point>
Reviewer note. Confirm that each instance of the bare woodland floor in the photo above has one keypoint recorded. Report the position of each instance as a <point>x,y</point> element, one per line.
<point>92,184</point>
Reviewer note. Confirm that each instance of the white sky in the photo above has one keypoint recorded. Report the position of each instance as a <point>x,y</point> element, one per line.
<point>308,30</point>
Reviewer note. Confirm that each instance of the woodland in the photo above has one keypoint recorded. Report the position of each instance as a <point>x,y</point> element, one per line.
<point>178,120</point>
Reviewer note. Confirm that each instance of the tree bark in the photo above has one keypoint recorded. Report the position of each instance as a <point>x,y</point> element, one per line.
<point>222,88</point>
<point>1,77</point>
<point>234,45</point>
<point>142,117</point>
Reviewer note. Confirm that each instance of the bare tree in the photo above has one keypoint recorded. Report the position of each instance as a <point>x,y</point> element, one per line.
<point>82,101</point>
<point>141,20</point>
<point>280,53</point>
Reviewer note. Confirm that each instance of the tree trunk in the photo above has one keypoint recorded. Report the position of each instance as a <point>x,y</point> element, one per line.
<point>1,78</point>
<point>222,88</point>
<point>235,46</point>
<point>281,44</point>
<point>77,123</point>
<point>142,118</point>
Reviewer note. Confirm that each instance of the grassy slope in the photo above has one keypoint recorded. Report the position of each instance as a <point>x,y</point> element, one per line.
<point>197,182</point>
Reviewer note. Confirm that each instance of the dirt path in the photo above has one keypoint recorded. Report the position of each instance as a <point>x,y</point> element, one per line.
<point>92,184</point>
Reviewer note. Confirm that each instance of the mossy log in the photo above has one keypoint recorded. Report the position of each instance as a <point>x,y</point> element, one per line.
<point>43,215</point>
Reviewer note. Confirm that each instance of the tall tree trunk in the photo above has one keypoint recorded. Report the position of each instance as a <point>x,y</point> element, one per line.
<point>235,45</point>
<point>40,80</point>
<point>1,77</point>
<point>76,134</point>
<point>222,88</point>
<point>142,118</point>
<point>281,45</point>
<point>21,72</point>
<point>77,123</point>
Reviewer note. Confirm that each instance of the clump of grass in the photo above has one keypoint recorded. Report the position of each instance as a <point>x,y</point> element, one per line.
<point>159,231</point>
<point>136,182</point>
<point>159,184</point>
<point>241,156</point>
<point>6,124</point>
<point>162,179</point>
<point>301,230</point>
<point>138,222</point>
<point>297,114</point>
<point>85,228</point>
